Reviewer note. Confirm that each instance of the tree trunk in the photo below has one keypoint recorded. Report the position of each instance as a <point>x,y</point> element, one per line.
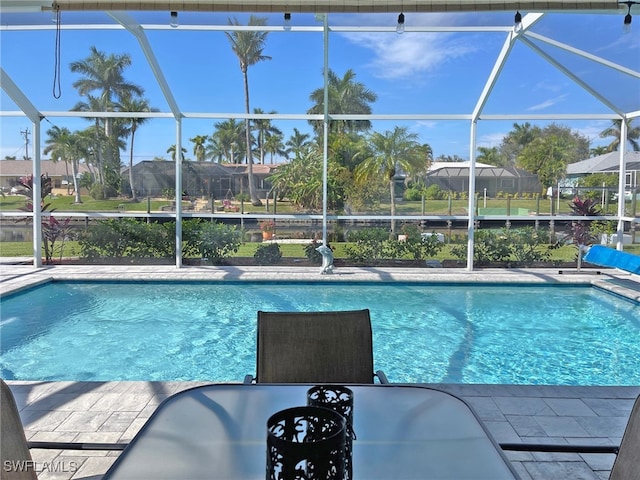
<point>255,201</point>
<point>133,190</point>
<point>76,187</point>
<point>392,191</point>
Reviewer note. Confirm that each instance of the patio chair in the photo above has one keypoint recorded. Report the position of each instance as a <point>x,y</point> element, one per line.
<point>14,450</point>
<point>627,463</point>
<point>315,347</point>
<point>17,463</point>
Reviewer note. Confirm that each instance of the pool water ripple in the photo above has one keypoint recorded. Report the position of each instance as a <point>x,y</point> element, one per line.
<point>422,333</point>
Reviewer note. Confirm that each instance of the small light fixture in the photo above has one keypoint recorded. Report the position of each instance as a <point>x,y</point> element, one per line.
<point>287,21</point>
<point>400,26</point>
<point>174,20</point>
<point>517,22</point>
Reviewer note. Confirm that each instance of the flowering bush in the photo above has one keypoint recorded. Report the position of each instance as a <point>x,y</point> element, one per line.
<point>267,225</point>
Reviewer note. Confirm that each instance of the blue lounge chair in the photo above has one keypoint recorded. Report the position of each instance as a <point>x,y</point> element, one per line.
<point>608,257</point>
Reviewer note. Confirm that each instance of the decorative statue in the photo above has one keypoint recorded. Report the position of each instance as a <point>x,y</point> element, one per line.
<point>327,259</point>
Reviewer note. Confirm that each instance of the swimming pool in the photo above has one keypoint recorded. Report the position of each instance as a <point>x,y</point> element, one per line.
<point>560,335</point>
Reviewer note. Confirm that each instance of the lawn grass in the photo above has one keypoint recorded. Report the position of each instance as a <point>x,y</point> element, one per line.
<point>65,203</point>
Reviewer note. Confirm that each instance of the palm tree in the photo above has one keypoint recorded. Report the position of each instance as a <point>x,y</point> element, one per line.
<point>274,145</point>
<point>490,156</point>
<point>130,104</point>
<point>392,151</point>
<point>264,130</point>
<point>68,147</point>
<point>298,143</point>
<point>633,135</point>
<point>228,137</point>
<point>104,73</point>
<point>248,47</point>
<point>214,150</point>
<point>346,96</point>
<point>599,150</point>
<point>198,147</point>
<point>172,151</point>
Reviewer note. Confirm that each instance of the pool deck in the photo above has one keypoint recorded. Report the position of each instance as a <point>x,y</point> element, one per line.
<point>115,411</point>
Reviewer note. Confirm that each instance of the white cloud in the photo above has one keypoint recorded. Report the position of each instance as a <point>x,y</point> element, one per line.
<point>491,139</point>
<point>547,103</point>
<point>404,56</point>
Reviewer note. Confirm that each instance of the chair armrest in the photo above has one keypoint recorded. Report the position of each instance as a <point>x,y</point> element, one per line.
<point>248,379</point>
<point>559,448</point>
<point>381,376</point>
<point>77,445</point>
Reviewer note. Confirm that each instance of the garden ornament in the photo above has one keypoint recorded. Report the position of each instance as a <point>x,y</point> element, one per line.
<point>327,259</point>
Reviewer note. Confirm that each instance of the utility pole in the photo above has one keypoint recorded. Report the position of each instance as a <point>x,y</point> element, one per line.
<point>25,133</point>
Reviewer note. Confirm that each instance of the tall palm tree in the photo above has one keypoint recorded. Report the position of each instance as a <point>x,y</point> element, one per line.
<point>104,73</point>
<point>392,151</point>
<point>264,129</point>
<point>633,135</point>
<point>68,147</point>
<point>198,147</point>
<point>130,104</point>
<point>248,47</point>
<point>346,96</point>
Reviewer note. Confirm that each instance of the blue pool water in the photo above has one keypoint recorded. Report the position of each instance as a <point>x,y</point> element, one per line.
<point>422,333</point>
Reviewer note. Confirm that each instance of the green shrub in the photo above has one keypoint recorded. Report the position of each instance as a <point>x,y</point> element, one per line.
<point>413,194</point>
<point>366,244</point>
<point>216,241</point>
<point>434,192</point>
<point>268,254</point>
<point>521,247</point>
<point>128,237</point>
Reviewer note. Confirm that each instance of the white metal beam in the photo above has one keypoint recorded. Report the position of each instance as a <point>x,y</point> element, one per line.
<point>134,27</point>
<point>20,99</point>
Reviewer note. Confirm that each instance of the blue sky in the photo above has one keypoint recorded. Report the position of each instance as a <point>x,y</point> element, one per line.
<point>412,73</point>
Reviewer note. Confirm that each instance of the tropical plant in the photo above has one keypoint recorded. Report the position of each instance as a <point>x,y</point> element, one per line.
<point>105,74</point>
<point>491,156</point>
<point>264,129</point>
<point>226,141</point>
<point>580,230</point>
<point>69,147</point>
<point>298,144</point>
<point>199,150</point>
<point>346,96</point>
<point>393,151</point>
<point>615,129</point>
<point>52,229</point>
<point>248,45</point>
<point>172,151</point>
<point>134,105</point>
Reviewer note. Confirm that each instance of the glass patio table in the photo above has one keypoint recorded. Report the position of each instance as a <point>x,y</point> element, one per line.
<point>403,432</point>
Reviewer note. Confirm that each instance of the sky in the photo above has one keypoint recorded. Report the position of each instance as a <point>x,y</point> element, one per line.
<point>413,73</point>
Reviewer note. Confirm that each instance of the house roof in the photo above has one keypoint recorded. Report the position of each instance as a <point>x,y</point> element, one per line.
<point>461,169</point>
<point>23,168</point>
<point>609,162</point>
